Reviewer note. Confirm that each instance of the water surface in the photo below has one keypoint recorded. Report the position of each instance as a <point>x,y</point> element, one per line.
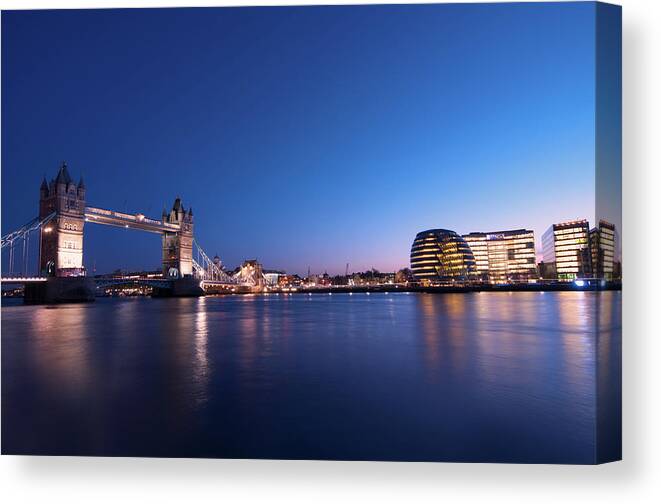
<point>507,377</point>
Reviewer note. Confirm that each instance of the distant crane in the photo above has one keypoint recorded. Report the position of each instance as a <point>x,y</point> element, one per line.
<point>346,270</point>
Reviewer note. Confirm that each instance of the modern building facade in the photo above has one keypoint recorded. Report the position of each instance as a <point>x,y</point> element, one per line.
<point>441,256</point>
<point>566,249</point>
<point>272,277</point>
<point>504,256</point>
<point>602,250</point>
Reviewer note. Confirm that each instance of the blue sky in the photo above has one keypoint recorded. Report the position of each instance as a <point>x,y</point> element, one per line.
<point>304,137</point>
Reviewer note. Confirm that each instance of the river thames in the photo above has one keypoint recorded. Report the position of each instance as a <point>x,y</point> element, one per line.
<point>507,377</point>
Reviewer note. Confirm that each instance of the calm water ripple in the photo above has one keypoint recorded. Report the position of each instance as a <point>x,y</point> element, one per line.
<point>505,377</point>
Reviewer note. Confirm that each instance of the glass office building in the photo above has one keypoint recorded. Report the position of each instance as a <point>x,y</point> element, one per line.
<point>441,256</point>
<point>480,248</point>
<point>504,256</point>
<point>566,246</point>
<point>602,248</point>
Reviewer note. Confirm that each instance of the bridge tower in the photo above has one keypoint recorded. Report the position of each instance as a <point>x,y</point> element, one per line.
<point>61,241</point>
<point>178,245</point>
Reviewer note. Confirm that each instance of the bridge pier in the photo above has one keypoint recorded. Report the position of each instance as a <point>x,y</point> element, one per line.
<point>187,287</point>
<point>60,290</point>
<point>181,287</point>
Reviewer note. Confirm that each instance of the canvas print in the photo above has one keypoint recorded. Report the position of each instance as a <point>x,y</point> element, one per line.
<point>384,232</point>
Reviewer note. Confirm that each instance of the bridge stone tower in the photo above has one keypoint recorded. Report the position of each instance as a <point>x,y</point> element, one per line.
<point>178,245</point>
<point>61,241</point>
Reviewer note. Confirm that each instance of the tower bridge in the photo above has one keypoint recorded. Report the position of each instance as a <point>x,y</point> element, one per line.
<point>59,228</point>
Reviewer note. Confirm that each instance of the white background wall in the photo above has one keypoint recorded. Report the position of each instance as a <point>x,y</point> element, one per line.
<point>637,479</point>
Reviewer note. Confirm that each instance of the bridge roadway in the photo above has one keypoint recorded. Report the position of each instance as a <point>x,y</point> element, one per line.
<point>154,282</point>
<point>22,280</point>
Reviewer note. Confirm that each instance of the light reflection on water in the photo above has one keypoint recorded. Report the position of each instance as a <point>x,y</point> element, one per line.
<point>488,376</point>
<point>201,367</point>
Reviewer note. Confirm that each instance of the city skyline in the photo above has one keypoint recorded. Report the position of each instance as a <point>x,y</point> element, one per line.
<point>312,154</point>
<point>349,233</point>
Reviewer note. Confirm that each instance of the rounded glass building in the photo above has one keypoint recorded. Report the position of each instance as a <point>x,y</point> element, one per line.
<point>441,255</point>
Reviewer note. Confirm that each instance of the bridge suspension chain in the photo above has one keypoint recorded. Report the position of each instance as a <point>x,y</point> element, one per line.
<point>22,235</point>
<point>206,269</point>
<point>32,225</point>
